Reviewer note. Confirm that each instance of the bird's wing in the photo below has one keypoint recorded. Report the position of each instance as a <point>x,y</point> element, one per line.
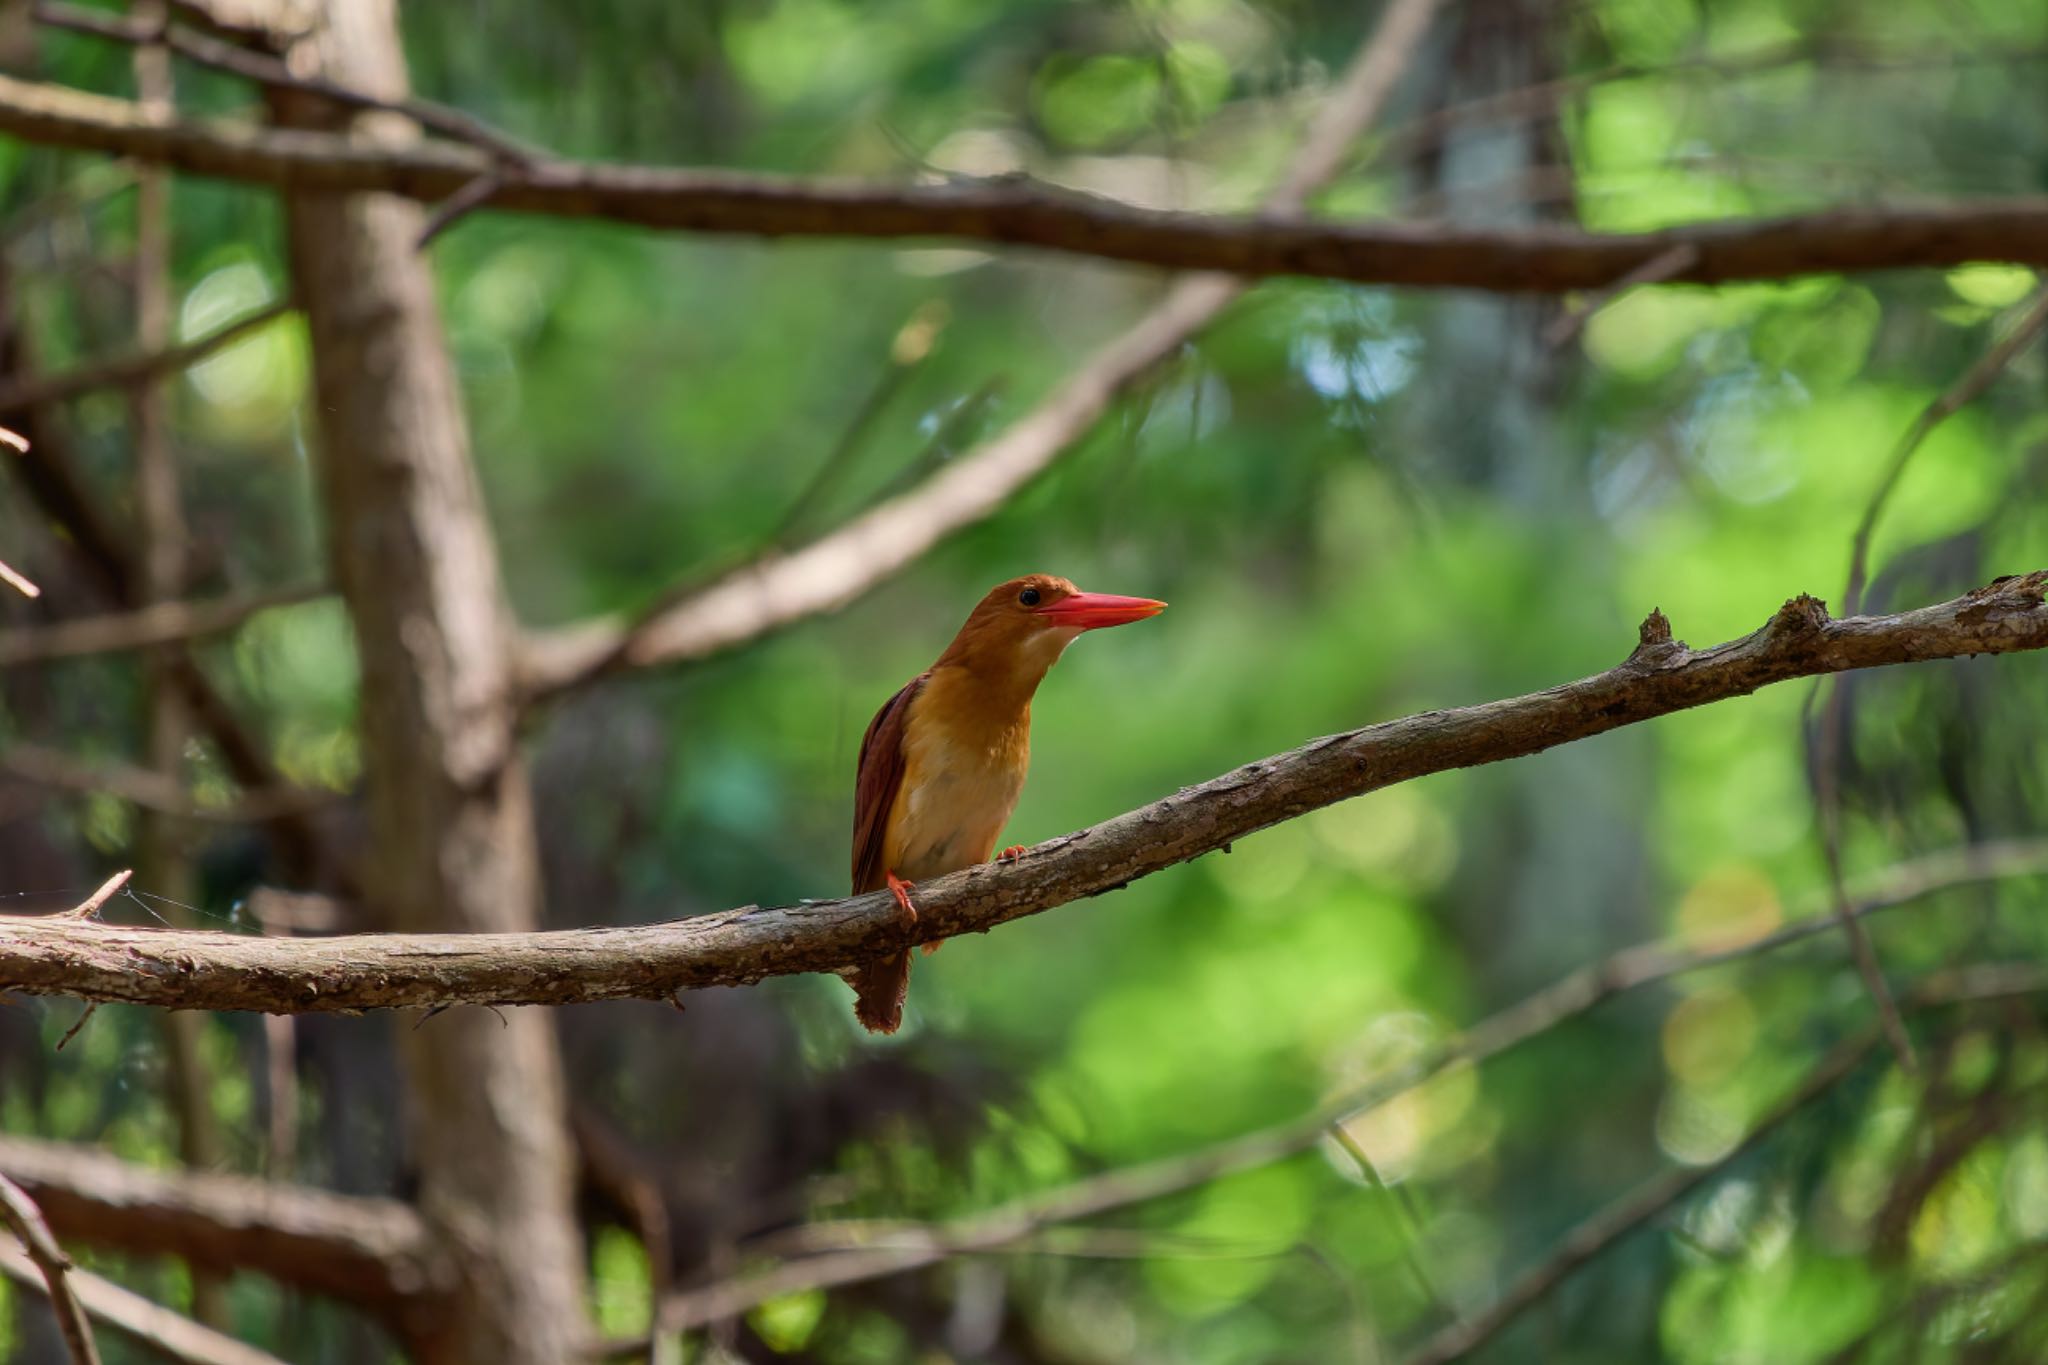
<point>874,790</point>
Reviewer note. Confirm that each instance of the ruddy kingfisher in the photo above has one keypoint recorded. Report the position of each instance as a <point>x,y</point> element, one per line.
<point>944,759</point>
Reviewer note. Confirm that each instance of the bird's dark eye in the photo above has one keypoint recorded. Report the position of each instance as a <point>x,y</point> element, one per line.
<point>1029,597</point>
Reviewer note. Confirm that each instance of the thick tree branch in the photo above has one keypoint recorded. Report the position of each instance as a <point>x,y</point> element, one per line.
<point>371,1252</point>
<point>161,623</point>
<point>193,970</point>
<point>170,1336</point>
<point>1434,255</point>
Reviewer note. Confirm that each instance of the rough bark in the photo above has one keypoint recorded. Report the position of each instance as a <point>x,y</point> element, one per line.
<point>449,806</point>
<point>1512,260</point>
<point>191,970</point>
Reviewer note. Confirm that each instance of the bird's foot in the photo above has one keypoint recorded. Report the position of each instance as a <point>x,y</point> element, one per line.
<point>1011,854</point>
<point>901,890</point>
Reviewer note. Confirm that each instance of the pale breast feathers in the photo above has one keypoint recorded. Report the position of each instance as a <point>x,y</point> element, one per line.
<point>962,775</point>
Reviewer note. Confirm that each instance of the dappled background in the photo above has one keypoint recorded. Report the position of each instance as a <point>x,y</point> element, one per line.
<point>1360,502</point>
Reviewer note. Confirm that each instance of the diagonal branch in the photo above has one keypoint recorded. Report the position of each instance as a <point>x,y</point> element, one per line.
<point>155,791</point>
<point>198,970</point>
<point>160,623</point>
<point>42,390</point>
<point>1513,260</point>
<point>1607,1227</point>
<point>171,1336</point>
<point>831,571</point>
<point>1834,720</point>
<point>920,1245</point>
<point>54,1268</point>
<point>271,71</point>
<point>1611,1224</point>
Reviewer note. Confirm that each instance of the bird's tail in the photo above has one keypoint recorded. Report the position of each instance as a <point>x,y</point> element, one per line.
<point>879,986</point>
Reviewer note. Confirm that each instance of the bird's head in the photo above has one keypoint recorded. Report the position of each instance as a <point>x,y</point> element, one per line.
<point>1021,626</point>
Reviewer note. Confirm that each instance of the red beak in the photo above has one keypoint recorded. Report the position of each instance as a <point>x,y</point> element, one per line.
<point>1092,610</point>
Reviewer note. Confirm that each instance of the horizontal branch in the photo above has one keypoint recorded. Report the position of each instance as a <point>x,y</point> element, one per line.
<point>161,623</point>
<point>167,1335</point>
<point>205,970</point>
<point>38,391</point>
<point>1514,260</point>
<point>375,1253</point>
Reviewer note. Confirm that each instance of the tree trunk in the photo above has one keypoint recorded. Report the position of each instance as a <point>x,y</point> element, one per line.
<point>453,841</point>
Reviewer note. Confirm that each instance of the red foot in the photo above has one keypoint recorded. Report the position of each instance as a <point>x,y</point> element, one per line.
<point>901,889</point>
<point>1011,854</point>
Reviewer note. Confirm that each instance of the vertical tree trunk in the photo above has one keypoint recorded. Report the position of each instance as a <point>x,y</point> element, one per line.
<point>453,841</point>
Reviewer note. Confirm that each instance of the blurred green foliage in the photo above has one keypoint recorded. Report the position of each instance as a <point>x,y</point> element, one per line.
<point>1360,502</point>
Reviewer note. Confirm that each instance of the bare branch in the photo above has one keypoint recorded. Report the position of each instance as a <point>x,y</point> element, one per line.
<point>271,71</point>
<point>1834,720</point>
<point>90,906</point>
<point>160,624</point>
<point>154,790</point>
<point>1515,260</point>
<point>1954,399</point>
<point>1570,998</point>
<point>1629,1213</point>
<point>20,584</point>
<point>1610,1225</point>
<point>831,571</point>
<point>195,970</point>
<point>43,390</point>
<point>54,1268</point>
<point>376,1253</point>
<point>170,1335</point>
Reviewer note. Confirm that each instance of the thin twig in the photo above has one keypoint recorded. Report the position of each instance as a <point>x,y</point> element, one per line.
<point>1832,738</point>
<point>1610,1225</point>
<point>455,206</point>
<point>1958,396</point>
<point>15,581</point>
<point>155,791</point>
<point>20,1214</point>
<point>908,350</point>
<point>1629,1213</point>
<point>1410,1226</point>
<point>167,1335</point>
<point>84,1016</point>
<point>90,906</point>
<point>1569,323</point>
<point>44,390</point>
<point>161,623</point>
<point>1543,99</point>
<point>270,71</point>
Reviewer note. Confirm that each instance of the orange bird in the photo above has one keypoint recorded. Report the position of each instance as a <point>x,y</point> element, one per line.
<point>943,760</point>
